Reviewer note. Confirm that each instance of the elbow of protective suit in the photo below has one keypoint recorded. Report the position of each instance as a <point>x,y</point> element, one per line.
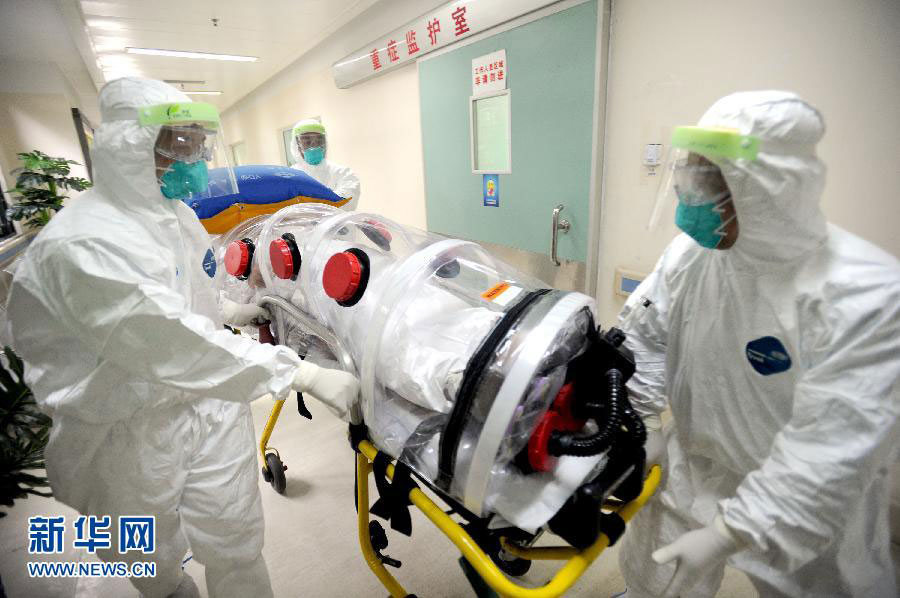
<point>337,389</point>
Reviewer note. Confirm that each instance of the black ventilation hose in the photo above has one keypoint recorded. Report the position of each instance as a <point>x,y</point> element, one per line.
<point>567,443</point>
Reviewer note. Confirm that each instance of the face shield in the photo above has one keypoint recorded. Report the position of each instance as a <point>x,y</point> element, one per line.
<point>310,141</point>
<point>694,187</point>
<point>190,140</point>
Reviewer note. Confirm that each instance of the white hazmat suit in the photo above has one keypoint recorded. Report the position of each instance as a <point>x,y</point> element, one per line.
<point>779,358</point>
<point>114,313</point>
<point>340,179</point>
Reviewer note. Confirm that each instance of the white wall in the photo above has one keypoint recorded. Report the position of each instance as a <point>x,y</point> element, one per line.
<point>34,121</point>
<point>36,104</point>
<point>373,127</point>
<point>36,101</point>
<point>671,60</point>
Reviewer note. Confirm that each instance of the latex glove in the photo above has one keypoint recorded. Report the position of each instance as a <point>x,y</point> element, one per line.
<point>655,445</point>
<point>697,553</point>
<point>243,314</point>
<point>338,389</point>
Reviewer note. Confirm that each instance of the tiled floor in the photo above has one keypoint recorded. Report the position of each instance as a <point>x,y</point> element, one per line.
<point>311,546</point>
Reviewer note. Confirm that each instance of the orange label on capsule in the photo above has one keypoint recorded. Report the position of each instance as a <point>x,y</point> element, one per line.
<point>495,291</point>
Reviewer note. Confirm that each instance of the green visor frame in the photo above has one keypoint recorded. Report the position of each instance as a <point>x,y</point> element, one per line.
<point>713,142</point>
<point>180,113</point>
<point>308,128</point>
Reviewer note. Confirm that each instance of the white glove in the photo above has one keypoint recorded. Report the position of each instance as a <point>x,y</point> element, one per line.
<point>655,445</point>
<point>336,388</point>
<point>243,314</point>
<point>698,552</point>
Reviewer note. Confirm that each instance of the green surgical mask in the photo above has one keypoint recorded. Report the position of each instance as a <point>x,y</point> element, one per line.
<point>702,220</point>
<point>314,155</point>
<point>183,179</point>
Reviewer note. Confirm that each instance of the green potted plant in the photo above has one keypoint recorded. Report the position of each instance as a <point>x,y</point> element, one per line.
<point>24,431</point>
<point>39,184</point>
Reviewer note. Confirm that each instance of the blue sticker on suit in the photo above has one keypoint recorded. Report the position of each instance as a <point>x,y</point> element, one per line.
<point>768,356</point>
<point>209,263</point>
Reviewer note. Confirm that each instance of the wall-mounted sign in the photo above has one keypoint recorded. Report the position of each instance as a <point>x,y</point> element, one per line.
<point>442,26</point>
<point>491,190</point>
<point>489,73</point>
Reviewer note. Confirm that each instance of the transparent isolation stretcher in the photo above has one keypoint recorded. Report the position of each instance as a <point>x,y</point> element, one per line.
<point>478,383</point>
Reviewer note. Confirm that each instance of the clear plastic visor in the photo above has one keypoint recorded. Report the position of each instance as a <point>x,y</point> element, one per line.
<point>308,140</point>
<point>688,178</point>
<point>178,150</point>
<point>305,141</point>
<point>187,143</point>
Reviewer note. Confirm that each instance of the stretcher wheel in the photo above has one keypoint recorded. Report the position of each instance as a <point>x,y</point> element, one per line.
<point>516,567</point>
<point>274,473</point>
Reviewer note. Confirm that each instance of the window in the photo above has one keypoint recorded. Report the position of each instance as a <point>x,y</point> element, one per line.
<point>490,133</point>
<point>287,137</point>
<point>6,225</point>
<point>238,153</point>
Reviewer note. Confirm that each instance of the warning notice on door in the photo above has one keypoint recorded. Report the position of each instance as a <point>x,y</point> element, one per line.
<point>489,73</point>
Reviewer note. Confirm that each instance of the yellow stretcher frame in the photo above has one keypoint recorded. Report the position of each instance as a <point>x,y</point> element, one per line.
<point>576,564</point>
<point>267,431</point>
<point>577,561</point>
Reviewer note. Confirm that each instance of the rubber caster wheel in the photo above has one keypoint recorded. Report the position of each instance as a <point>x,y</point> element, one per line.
<point>275,473</point>
<point>516,567</point>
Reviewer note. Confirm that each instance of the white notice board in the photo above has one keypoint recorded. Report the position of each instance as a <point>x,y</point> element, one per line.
<point>489,73</point>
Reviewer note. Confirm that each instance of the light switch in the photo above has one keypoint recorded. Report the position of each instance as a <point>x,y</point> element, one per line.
<point>627,281</point>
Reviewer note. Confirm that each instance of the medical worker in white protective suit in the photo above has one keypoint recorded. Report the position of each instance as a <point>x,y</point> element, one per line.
<point>114,313</point>
<point>308,148</point>
<point>775,337</point>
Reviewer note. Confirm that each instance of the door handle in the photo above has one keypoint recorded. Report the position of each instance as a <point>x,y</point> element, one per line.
<point>558,225</point>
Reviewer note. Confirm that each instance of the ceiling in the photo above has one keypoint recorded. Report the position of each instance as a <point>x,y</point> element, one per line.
<point>34,31</point>
<point>86,39</point>
<point>276,31</point>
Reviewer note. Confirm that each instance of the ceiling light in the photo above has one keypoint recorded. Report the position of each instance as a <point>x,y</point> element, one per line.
<point>181,54</point>
<point>203,93</point>
<point>105,24</point>
<point>183,82</point>
<point>104,43</point>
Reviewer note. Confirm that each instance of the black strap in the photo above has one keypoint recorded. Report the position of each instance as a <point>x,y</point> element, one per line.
<point>613,526</point>
<point>301,407</point>
<point>358,433</point>
<point>393,502</point>
<point>469,386</point>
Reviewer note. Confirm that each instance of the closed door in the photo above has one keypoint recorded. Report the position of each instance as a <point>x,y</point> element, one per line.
<point>550,71</point>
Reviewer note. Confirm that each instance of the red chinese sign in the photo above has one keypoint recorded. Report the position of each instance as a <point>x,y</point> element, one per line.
<point>392,51</point>
<point>439,27</point>
<point>433,28</point>
<point>411,46</point>
<point>459,17</point>
<point>489,73</point>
